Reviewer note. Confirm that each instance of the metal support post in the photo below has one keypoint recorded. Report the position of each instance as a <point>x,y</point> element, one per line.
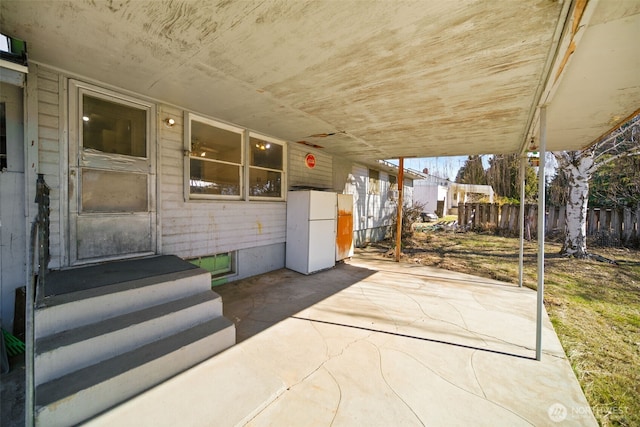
<point>541,230</point>
<point>523,159</point>
<point>399,218</point>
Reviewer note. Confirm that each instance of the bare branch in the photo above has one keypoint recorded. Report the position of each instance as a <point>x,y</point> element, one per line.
<point>597,165</point>
<point>628,134</point>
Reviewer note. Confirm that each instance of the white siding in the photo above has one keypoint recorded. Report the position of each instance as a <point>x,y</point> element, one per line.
<point>49,128</point>
<point>204,227</point>
<point>359,191</point>
<point>408,192</point>
<point>321,176</point>
<point>427,194</point>
<point>342,175</point>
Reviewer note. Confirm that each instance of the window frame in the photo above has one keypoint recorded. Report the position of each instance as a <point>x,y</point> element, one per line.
<point>188,119</point>
<point>283,181</point>
<point>231,272</point>
<point>374,182</point>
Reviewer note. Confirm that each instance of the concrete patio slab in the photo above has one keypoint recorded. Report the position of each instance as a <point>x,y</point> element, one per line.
<point>372,342</point>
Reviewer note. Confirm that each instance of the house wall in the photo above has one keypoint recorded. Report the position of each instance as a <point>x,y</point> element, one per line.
<point>254,230</point>
<point>430,193</point>
<point>51,127</point>
<point>197,228</point>
<point>428,196</point>
<point>321,176</point>
<point>13,237</point>
<point>372,212</point>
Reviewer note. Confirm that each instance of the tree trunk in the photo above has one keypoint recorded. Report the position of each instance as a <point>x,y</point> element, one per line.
<point>575,242</point>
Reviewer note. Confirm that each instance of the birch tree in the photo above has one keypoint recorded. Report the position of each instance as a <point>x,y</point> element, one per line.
<point>579,167</point>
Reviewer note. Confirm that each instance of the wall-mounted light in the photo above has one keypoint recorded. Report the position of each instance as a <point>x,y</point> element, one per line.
<point>85,118</point>
<point>263,146</point>
<point>169,122</point>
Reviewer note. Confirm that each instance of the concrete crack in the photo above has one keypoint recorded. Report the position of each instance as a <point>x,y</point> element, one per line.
<point>320,366</point>
<point>395,323</point>
<point>463,389</point>
<point>324,340</point>
<point>465,327</point>
<point>392,389</point>
<point>335,413</point>
<point>475,375</point>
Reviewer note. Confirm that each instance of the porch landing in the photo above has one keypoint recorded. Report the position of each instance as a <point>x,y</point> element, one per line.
<point>110,273</point>
<point>372,342</point>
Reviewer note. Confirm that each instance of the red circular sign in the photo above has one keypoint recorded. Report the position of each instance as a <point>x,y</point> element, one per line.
<point>310,161</point>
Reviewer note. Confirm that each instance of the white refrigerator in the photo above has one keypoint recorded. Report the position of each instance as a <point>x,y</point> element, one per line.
<point>311,230</point>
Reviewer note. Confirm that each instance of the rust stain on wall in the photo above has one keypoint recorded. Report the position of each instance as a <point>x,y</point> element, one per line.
<point>344,235</point>
<point>259,224</point>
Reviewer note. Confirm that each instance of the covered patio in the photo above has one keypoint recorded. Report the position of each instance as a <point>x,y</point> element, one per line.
<point>372,342</point>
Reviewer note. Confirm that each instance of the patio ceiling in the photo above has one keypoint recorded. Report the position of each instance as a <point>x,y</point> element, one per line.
<point>381,79</point>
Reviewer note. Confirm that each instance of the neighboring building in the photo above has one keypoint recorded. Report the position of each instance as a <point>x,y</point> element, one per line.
<point>442,196</point>
<point>433,193</point>
<point>467,193</point>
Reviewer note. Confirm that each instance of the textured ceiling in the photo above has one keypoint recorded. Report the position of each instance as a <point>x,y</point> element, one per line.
<point>386,79</point>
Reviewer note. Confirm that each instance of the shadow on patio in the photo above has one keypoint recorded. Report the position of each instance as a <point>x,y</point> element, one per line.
<point>372,342</point>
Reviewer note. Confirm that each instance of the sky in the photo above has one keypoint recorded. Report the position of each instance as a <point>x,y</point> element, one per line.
<point>444,167</point>
<point>447,167</point>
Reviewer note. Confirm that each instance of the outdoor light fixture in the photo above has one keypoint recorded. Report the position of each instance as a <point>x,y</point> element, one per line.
<point>169,122</point>
<point>263,146</point>
<point>85,118</point>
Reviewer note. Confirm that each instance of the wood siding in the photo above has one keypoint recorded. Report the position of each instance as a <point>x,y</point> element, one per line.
<point>50,126</point>
<point>203,227</point>
<point>321,176</point>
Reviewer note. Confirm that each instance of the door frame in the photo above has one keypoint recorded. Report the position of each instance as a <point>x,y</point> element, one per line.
<point>76,89</point>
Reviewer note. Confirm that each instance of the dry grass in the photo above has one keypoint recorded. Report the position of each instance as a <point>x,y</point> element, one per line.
<point>594,307</point>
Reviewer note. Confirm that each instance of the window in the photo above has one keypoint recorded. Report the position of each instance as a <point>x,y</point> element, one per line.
<point>266,168</point>
<point>219,265</point>
<point>374,182</point>
<point>113,174</point>
<point>113,128</point>
<point>215,159</point>
<point>220,159</point>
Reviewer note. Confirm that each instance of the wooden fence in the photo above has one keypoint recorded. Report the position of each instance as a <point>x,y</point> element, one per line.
<point>610,227</point>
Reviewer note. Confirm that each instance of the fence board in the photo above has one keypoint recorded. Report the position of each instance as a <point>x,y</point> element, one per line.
<point>619,226</point>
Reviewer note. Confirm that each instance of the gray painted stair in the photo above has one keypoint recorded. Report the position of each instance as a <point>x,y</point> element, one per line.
<point>107,332</point>
<point>67,351</point>
<point>87,392</point>
<point>63,312</point>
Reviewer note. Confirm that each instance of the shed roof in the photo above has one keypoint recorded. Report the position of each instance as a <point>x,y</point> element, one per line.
<point>366,80</point>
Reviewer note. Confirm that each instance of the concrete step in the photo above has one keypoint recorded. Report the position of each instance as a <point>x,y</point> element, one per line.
<point>77,396</point>
<point>64,352</point>
<point>62,312</point>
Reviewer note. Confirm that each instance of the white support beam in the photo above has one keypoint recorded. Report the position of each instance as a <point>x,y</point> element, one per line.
<point>523,159</point>
<point>399,218</point>
<point>541,229</point>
